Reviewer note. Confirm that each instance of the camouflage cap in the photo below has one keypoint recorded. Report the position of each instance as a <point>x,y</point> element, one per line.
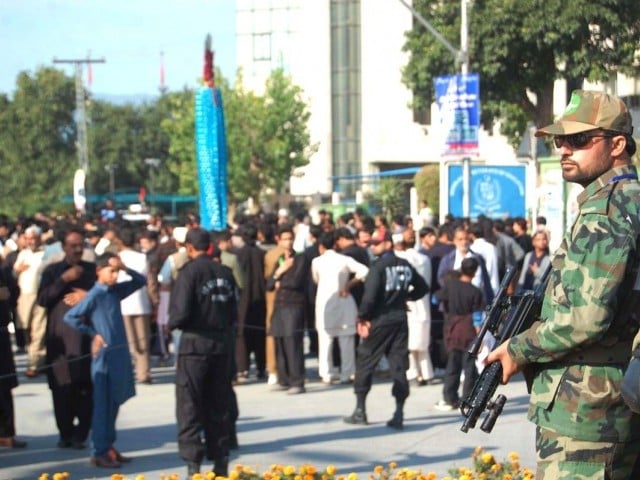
<point>588,110</point>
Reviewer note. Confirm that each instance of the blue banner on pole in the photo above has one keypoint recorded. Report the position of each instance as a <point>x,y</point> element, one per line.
<point>495,191</point>
<point>458,99</point>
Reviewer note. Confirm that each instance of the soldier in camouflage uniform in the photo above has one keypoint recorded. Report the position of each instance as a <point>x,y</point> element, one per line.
<point>575,356</point>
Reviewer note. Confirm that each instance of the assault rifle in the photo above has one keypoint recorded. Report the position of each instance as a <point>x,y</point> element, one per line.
<point>506,316</point>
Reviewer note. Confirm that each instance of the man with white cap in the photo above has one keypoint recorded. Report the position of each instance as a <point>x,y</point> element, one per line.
<point>575,356</point>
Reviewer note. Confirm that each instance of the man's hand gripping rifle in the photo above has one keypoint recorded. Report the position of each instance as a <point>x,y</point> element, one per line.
<point>506,316</point>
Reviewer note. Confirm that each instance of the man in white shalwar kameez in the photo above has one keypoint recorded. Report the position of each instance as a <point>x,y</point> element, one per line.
<point>336,310</point>
<point>418,312</point>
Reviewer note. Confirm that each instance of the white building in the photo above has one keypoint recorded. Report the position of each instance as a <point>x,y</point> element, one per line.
<point>347,56</point>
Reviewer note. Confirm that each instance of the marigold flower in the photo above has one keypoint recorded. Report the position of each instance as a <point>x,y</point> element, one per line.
<point>210,476</point>
<point>297,477</point>
<point>289,470</point>
<point>352,476</point>
<point>43,476</point>
<point>496,467</point>
<point>247,470</point>
<point>331,469</point>
<point>393,465</point>
<point>507,476</point>
<point>515,465</point>
<point>139,477</point>
<point>197,476</point>
<point>378,469</point>
<point>464,477</point>
<point>311,470</point>
<point>233,474</point>
<point>432,476</point>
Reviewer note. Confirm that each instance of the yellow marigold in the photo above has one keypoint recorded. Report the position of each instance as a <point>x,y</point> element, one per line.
<point>44,476</point>
<point>378,469</point>
<point>289,470</point>
<point>210,476</point>
<point>496,467</point>
<point>247,470</point>
<point>487,458</point>
<point>139,477</point>
<point>465,477</point>
<point>302,470</point>
<point>267,476</point>
<point>238,467</point>
<point>352,476</point>
<point>331,469</point>
<point>432,476</point>
<point>513,456</point>
<point>507,476</point>
<point>197,476</point>
<point>393,465</point>
<point>233,474</point>
<point>297,477</point>
<point>276,477</point>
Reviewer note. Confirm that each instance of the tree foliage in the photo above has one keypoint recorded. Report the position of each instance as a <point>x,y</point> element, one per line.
<point>267,138</point>
<point>521,48</point>
<point>37,142</point>
<point>427,183</point>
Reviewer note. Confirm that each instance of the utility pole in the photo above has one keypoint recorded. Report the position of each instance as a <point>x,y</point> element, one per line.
<point>462,58</point>
<point>81,111</point>
<point>111,168</point>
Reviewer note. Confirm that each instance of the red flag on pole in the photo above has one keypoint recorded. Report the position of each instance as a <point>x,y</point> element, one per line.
<point>142,195</point>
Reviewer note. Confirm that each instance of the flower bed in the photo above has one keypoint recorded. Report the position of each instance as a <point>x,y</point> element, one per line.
<point>485,467</point>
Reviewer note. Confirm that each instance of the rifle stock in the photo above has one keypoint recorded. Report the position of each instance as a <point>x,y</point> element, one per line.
<point>507,316</point>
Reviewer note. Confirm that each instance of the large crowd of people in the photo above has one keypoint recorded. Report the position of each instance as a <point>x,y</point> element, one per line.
<point>302,285</point>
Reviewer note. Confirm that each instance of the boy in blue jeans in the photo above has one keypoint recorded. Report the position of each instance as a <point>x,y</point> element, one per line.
<point>98,315</point>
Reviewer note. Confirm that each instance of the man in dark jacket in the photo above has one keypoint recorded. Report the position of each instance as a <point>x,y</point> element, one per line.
<point>287,323</point>
<point>204,306</point>
<point>8,380</point>
<point>62,285</point>
<point>382,324</point>
<point>251,335</point>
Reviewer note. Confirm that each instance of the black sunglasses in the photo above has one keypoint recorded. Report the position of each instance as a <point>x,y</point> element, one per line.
<point>577,140</point>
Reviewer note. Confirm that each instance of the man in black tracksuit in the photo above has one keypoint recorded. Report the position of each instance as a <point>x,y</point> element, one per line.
<point>382,324</point>
<point>204,305</point>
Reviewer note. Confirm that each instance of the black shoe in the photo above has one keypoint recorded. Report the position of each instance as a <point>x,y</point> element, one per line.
<point>396,421</point>
<point>193,468</point>
<point>64,444</point>
<point>221,466</point>
<point>358,417</point>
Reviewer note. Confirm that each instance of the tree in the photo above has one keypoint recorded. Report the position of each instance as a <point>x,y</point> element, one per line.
<point>267,136</point>
<point>389,198</point>
<point>521,48</point>
<point>285,133</point>
<point>427,182</point>
<point>124,135</point>
<point>37,142</point>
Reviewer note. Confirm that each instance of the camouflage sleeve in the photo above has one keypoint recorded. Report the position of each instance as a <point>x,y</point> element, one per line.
<point>580,299</point>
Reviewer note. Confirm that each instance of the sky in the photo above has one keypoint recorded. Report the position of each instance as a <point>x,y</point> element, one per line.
<point>129,34</point>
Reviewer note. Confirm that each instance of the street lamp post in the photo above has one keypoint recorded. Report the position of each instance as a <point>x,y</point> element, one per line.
<point>111,168</point>
<point>153,163</point>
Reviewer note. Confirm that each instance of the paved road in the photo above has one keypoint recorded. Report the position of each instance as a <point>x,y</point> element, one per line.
<point>275,428</point>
